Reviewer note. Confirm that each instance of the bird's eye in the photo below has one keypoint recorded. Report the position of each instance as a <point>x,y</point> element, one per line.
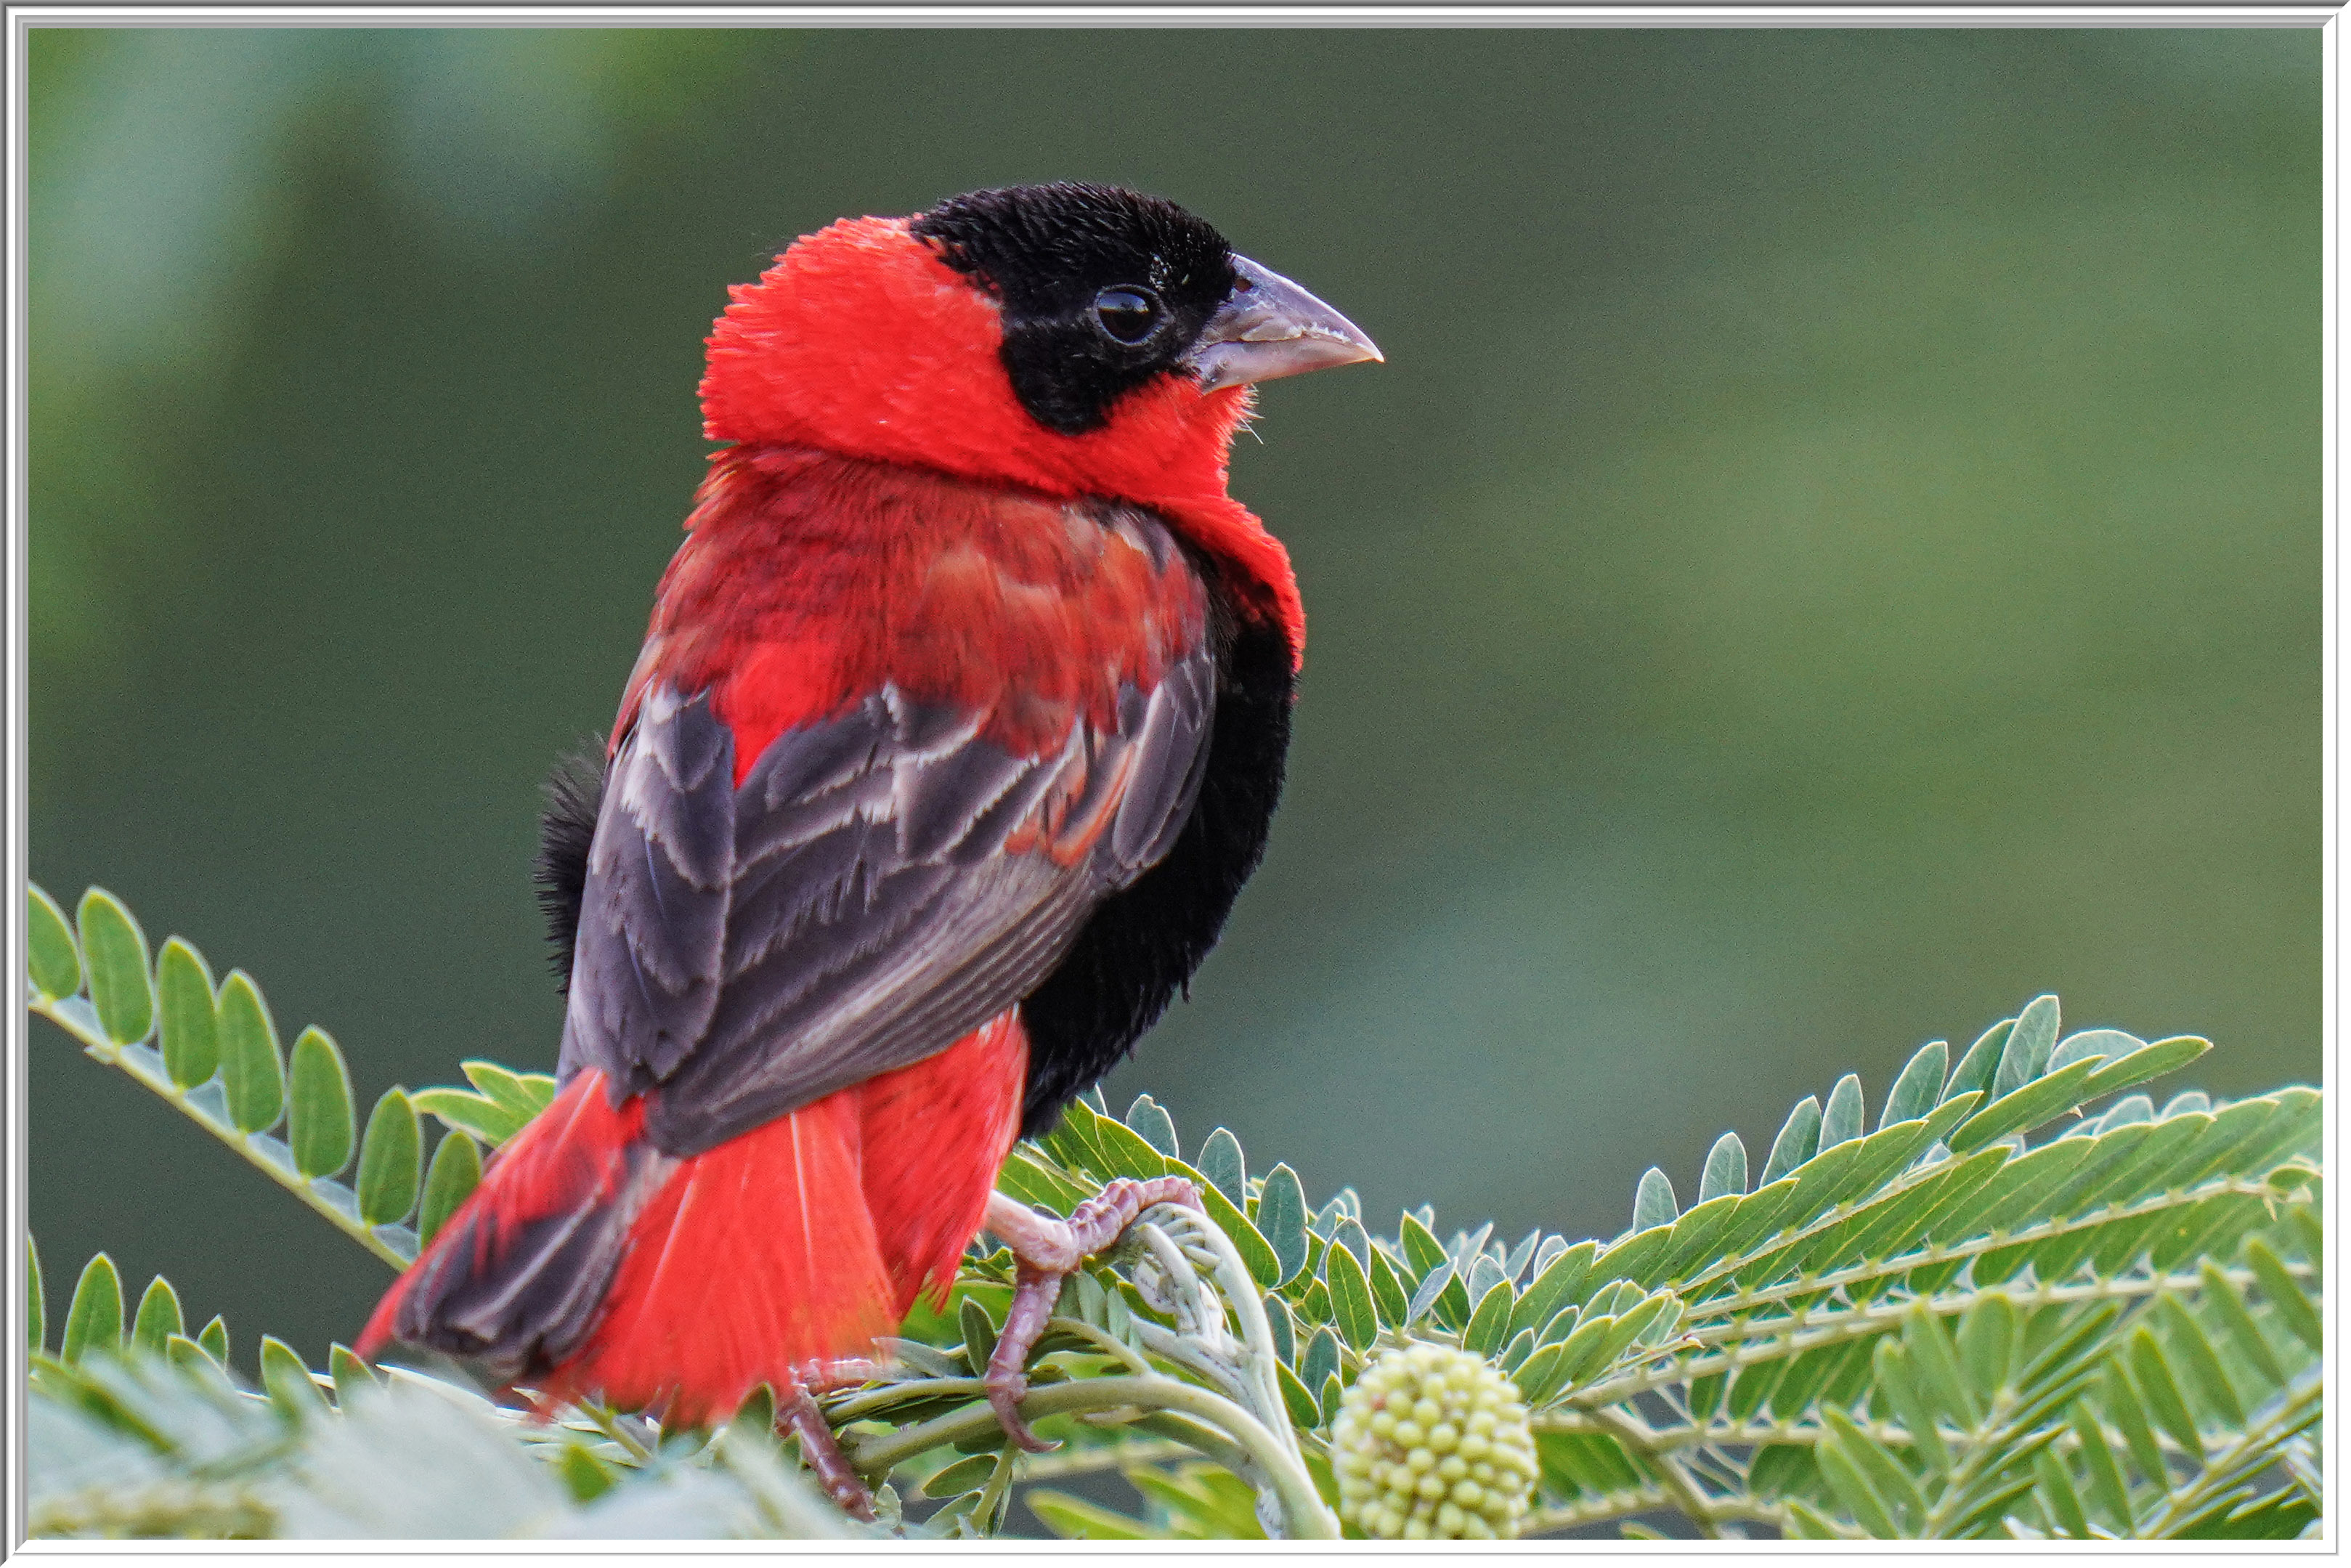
<point>1128,315</point>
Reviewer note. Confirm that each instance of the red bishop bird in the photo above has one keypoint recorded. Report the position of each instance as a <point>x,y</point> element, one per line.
<point>958,725</point>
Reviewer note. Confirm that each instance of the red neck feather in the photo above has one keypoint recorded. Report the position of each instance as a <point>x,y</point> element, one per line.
<point>861,341</point>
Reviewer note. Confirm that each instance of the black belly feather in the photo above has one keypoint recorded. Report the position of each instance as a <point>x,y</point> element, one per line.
<point>1141,946</point>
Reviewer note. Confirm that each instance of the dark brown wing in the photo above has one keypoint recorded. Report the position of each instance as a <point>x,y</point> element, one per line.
<point>878,887</point>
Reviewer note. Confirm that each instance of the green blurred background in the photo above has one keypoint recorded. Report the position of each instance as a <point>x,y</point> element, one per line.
<point>1834,551</point>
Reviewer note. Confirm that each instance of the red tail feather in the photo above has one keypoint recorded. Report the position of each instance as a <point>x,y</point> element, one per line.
<point>587,1263</point>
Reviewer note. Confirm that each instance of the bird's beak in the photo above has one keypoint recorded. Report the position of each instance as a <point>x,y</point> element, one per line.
<point>1270,328</point>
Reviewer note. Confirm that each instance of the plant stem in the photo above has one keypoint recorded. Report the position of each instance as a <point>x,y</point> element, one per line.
<point>267,1154</point>
<point>2249,1452</point>
<point>1301,1506</point>
<point>1634,1435</point>
<point>1118,1456</point>
<point>1785,1336</point>
<point>1864,1272</point>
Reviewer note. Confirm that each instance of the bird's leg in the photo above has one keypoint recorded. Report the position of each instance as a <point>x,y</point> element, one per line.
<point>1047,1251</point>
<point>798,1410</point>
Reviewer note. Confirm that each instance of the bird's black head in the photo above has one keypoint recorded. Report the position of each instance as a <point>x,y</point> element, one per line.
<point>1101,289</point>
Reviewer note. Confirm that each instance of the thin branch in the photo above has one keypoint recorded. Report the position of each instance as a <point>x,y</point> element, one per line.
<point>2251,1452</point>
<point>1686,1493</point>
<point>1302,1506</point>
<point>1789,1336</point>
<point>1926,1256</point>
<point>267,1154</point>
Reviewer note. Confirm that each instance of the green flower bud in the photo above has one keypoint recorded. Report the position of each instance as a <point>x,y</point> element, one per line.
<point>1433,1443</point>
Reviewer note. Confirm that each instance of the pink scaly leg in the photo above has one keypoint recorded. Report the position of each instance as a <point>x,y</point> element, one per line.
<point>822,1451</point>
<point>1048,1251</point>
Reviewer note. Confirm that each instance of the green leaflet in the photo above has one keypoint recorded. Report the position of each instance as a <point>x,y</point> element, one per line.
<point>158,1317</point>
<point>391,1161</point>
<point>1798,1137</point>
<point>51,955</point>
<point>1280,1217</point>
<point>2159,1386</point>
<point>352,1376</point>
<point>1863,1466</point>
<point>94,1319</point>
<point>2286,1297</point>
<point>1898,1384</point>
<point>187,1354</point>
<point>1420,1249</point>
<point>37,1306</point>
<point>1225,1167</point>
<point>1073,1520</point>
<point>585,1476</point>
<point>1128,1154</point>
<point>114,952</point>
<point>1983,1060</point>
<point>979,1333</point>
<point>188,1016</point>
<point>1283,1327</point>
<point>2108,1494</point>
<point>1027,1177</point>
<point>1387,1290</point>
<point>1934,1360</point>
<point>1489,1321</point>
<point>1842,1117</point>
<point>253,1069</point>
<point>2024,1055</point>
<point>523,1094</point>
<point>1305,1410</point>
<point>1257,1253</point>
<point>1154,1126</point>
<point>2238,1321</point>
<point>213,1340</point>
<point>476,1115</point>
<point>1554,1288</point>
<point>1320,1360</point>
<point>318,1105</point>
<point>1696,1239</point>
<point>1726,1169</point>
<point>964,1475</point>
<point>455,1172</point>
<point>1653,1201</point>
<point>2192,1353</point>
<point>1351,1311</point>
<point>2149,1061</point>
<point>1916,1087</point>
<point>2024,1109</point>
<point>289,1382</point>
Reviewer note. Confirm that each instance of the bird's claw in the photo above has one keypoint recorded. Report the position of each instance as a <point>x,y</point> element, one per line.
<point>1048,1251</point>
<point>1003,1396</point>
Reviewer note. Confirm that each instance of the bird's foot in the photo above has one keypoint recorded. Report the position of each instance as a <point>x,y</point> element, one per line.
<point>821,1452</point>
<point>1048,1251</point>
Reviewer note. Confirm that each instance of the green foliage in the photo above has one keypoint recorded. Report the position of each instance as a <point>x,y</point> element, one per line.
<point>2027,1304</point>
<point>168,1441</point>
<point>500,1101</point>
<point>391,1161</point>
<point>320,1092</point>
<point>216,1058</point>
<point>455,1172</point>
<point>1941,1328</point>
<point>94,1321</point>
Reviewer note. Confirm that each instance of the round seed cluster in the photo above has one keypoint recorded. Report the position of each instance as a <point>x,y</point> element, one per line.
<point>1433,1444</point>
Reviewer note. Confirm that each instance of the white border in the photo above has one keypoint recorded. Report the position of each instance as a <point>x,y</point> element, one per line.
<point>2327,18</point>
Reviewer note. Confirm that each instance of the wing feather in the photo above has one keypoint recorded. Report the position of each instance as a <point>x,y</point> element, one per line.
<point>879,885</point>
